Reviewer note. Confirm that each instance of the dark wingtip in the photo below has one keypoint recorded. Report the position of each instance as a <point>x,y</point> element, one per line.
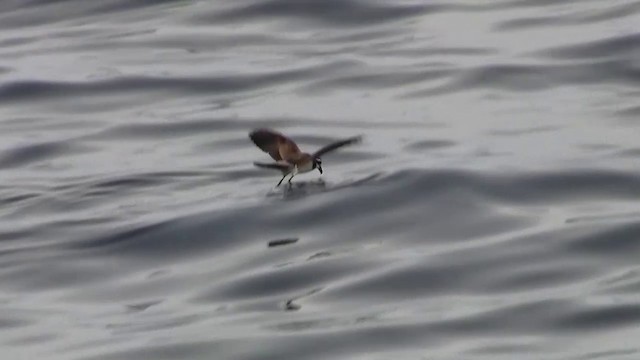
<point>253,134</point>
<point>265,165</point>
<point>355,139</point>
<point>274,166</point>
<point>260,165</point>
<point>262,136</point>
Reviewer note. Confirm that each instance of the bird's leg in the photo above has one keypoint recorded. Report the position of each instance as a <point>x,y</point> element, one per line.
<point>294,172</point>
<point>280,182</point>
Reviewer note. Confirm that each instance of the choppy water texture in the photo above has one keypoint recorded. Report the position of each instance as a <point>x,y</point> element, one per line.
<point>490,213</point>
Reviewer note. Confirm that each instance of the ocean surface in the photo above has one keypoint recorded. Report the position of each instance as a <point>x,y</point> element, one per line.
<point>492,210</point>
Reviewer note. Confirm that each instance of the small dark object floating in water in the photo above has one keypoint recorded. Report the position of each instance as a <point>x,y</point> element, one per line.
<point>290,306</point>
<point>281,242</point>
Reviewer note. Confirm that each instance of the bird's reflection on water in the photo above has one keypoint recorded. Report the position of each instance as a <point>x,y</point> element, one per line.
<point>298,189</point>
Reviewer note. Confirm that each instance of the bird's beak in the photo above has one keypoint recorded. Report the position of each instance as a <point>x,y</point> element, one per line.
<point>320,168</point>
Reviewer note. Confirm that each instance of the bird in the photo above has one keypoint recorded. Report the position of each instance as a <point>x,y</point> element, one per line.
<point>289,159</point>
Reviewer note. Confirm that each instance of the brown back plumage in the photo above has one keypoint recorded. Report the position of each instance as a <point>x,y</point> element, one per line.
<point>278,146</point>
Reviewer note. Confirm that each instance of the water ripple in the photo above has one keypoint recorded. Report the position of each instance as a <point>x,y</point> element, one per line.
<point>331,12</point>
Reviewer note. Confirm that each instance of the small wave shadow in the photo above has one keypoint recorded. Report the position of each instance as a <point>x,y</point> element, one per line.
<point>142,306</point>
<point>300,189</point>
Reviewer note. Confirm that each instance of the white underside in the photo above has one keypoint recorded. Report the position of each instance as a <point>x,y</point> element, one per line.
<point>293,169</point>
<point>304,168</point>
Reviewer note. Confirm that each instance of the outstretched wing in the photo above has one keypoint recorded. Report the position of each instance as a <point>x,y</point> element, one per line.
<point>270,142</point>
<point>283,167</point>
<point>336,145</point>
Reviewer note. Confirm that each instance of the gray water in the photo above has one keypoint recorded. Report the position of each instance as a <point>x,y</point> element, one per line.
<point>491,211</point>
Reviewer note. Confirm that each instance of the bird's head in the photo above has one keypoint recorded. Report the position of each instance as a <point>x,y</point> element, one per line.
<point>317,164</point>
